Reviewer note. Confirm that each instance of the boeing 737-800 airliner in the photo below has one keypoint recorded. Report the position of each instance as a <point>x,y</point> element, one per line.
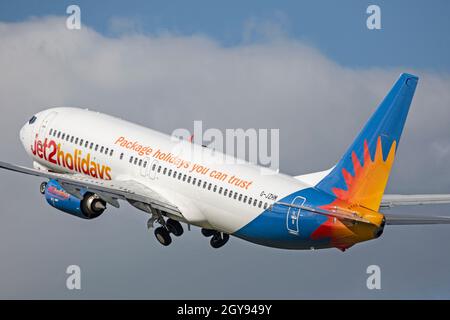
<point>92,160</point>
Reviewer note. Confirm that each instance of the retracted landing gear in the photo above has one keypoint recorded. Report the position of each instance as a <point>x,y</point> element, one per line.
<point>218,238</point>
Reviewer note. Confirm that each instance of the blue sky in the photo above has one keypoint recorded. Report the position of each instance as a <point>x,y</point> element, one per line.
<point>414,33</point>
<point>319,99</point>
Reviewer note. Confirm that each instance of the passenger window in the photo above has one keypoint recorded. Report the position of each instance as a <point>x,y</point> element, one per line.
<point>153,167</point>
<point>86,144</point>
<point>96,147</point>
<point>145,164</point>
<point>179,176</point>
<point>63,136</point>
<point>205,184</point>
<point>54,133</point>
<point>235,195</point>
<point>250,200</point>
<point>230,194</point>
<point>194,181</point>
<point>81,142</point>
<point>140,163</point>
<point>260,204</point>
<point>76,141</point>
<point>245,199</point>
<point>175,174</point>
<point>265,205</point>
<point>135,161</point>
<point>184,178</point>
<point>215,188</point>
<point>240,197</point>
<point>165,171</point>
<point>59,134</point>
<point>106,151</point>
<point>51,131</point>
<point>112,152</point>
<point>121,156</point>
<point>225,192</point>
<point>170,172</point>
<point>189,179</point>
<point>91,146</point>
<point>220,190</point>
<point>209,186</point>
<point>255,202</point>
<point>131,159</point>
<point>199,183</point>
<point>101,149</point>
<point>67,138</point>
<point>159,169</point>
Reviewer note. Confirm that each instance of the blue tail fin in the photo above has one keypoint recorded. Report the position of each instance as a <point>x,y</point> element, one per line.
<point>360,177</point>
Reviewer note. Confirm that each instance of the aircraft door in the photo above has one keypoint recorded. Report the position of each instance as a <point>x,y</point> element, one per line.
<point>293,215</point>
<point>45,124</point>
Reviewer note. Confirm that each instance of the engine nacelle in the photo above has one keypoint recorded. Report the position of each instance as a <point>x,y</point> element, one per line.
<point>90,207</point>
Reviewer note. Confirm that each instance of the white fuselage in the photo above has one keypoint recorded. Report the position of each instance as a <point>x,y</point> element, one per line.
<point>151,158</point>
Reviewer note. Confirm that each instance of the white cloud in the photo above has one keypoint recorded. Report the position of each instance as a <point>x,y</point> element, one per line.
<point>167,81</point>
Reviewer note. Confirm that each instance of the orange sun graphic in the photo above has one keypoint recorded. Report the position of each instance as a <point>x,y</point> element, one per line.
<point>364,191</point>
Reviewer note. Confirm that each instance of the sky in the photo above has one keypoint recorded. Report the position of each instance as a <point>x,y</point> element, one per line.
<point>309,68</point>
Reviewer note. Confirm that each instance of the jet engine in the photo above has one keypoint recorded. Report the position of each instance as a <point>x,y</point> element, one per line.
<point>89,207</point>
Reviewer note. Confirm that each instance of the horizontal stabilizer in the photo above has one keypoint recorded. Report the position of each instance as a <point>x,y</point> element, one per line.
<point>338,213</point>
<point>415,220</point>
<point>392,200</point>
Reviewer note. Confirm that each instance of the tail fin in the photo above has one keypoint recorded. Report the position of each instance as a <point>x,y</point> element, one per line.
<point>361,175</point>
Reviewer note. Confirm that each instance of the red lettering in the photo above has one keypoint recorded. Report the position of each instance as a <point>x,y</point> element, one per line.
<point>51,156</point>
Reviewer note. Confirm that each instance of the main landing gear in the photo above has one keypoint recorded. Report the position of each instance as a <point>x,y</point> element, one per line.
<point>218,238</point>
<point>173,227</point>
<point>168,227</point>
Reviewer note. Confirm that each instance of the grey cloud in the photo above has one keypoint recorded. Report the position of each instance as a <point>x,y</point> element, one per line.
<point>168,81</point>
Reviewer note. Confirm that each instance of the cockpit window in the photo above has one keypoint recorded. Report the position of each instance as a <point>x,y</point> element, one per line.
<point>32,120</point>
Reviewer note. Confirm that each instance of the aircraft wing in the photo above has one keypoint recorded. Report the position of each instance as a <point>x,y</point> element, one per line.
<point>392,200</point>
<point>109,190</point>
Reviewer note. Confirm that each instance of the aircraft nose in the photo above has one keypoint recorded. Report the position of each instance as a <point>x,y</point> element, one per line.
<point>24,136</point>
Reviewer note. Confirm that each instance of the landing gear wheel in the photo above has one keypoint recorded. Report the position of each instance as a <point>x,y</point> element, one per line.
<point>163,236</point>
<point>208,232</point>
<point>42,187</point>
<point>219,239</point>
<point>174,227</point>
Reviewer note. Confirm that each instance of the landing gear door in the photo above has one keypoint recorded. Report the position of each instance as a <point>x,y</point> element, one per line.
<point>293,216</point>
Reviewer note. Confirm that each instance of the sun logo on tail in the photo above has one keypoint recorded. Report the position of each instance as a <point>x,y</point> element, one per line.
<point>366,186</point>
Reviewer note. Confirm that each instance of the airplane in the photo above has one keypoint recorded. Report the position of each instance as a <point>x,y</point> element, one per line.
<point>91,160</point>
